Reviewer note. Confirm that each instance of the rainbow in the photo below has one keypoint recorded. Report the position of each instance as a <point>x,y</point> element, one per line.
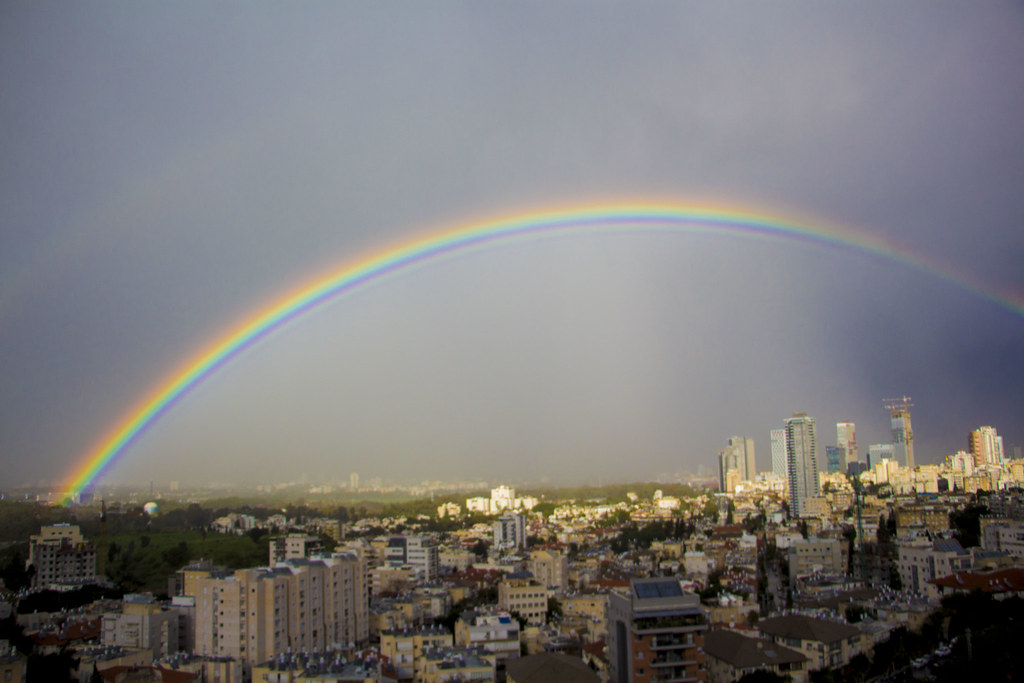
<point>488,234</point>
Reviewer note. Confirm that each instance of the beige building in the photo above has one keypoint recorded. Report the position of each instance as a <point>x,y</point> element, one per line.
<point>254,614</point>
<point>922,561</point>
<point>824,643</point>
<point>405,648</point>
<point>934,518</point>
<point>811,555</point>
<point>731,656</point>
<point>524,597</point>
<point>550,570</point>
<point>142,623</point>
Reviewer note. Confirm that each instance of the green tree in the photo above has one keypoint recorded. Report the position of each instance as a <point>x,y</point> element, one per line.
<point>554,609</point>
<point>967,524</point>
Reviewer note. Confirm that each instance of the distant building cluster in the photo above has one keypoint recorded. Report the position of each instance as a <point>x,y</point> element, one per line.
<point>503,499</point>
<point>764,574</point>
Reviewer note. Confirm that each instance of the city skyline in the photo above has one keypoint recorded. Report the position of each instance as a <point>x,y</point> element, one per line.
<point>172,171</point>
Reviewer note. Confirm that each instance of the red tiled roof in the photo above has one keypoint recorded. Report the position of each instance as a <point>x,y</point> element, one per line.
<point>1000,581</point>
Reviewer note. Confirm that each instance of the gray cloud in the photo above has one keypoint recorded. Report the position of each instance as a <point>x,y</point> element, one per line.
<point>169,170</point>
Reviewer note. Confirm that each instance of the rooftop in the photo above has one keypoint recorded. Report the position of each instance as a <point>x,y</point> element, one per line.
<point>550,668</point>
<point>806,628</point>
<point>746,653</point>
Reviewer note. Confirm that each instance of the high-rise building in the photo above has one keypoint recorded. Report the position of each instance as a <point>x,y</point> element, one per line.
<point>62,557</point>
<point>510,531</point>
<point>737,455</point>
<point>902,432</point>
<point>986,446</point>
<point>801,461</point>
<point>846,438</point>
<point>778,448</point>
<point>419,553</point>
<point>833,459</point>
<point>353,481</point>
<point>254,614</point>
<point>656,632</point>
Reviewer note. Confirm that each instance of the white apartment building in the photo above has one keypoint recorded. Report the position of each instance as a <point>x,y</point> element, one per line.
<point>419,552</point>
<point>510,531</point>
<point>802,461</point>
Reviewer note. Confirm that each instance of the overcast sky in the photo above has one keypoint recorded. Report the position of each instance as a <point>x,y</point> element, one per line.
<point>170,169</point>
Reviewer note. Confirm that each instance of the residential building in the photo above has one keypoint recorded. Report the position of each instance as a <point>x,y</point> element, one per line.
<point>292,546</point>
<point>254,614</point>
<point>920,562</point>
<point>1000,584</point>
<point>656,632</point>
<point>1004,535</point>
<point>510,531</point>
<point>731,656</point>
<point>143,623</point>
<point>405,648</point>
<point>521,595</point>
<point>550,569</point>
<point>813,555</point>
<point>986,446</point>
<point>451,665</point>
<point>825,643</point>
<point>62,558</point>
<point>801,461</point>
<point>497,633</point>
<point>417,552</point>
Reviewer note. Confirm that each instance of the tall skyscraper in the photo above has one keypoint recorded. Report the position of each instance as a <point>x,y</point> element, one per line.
<point>846,439</point>
<point>739,456</point>
<point>801,461</point>
<point>902,432</point>
<point>986,446</point>
<point>834,459</point>
<point>778,449</point>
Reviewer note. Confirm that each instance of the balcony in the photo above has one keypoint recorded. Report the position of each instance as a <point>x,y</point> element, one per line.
<point>672,660</point>
<point>664,642</point>
<point>679,624</point>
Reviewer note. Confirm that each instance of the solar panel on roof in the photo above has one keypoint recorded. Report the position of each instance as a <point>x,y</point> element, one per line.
<point>658,589</point>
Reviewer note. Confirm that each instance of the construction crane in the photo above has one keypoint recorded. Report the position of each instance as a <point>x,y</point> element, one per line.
<point>902,403</point>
